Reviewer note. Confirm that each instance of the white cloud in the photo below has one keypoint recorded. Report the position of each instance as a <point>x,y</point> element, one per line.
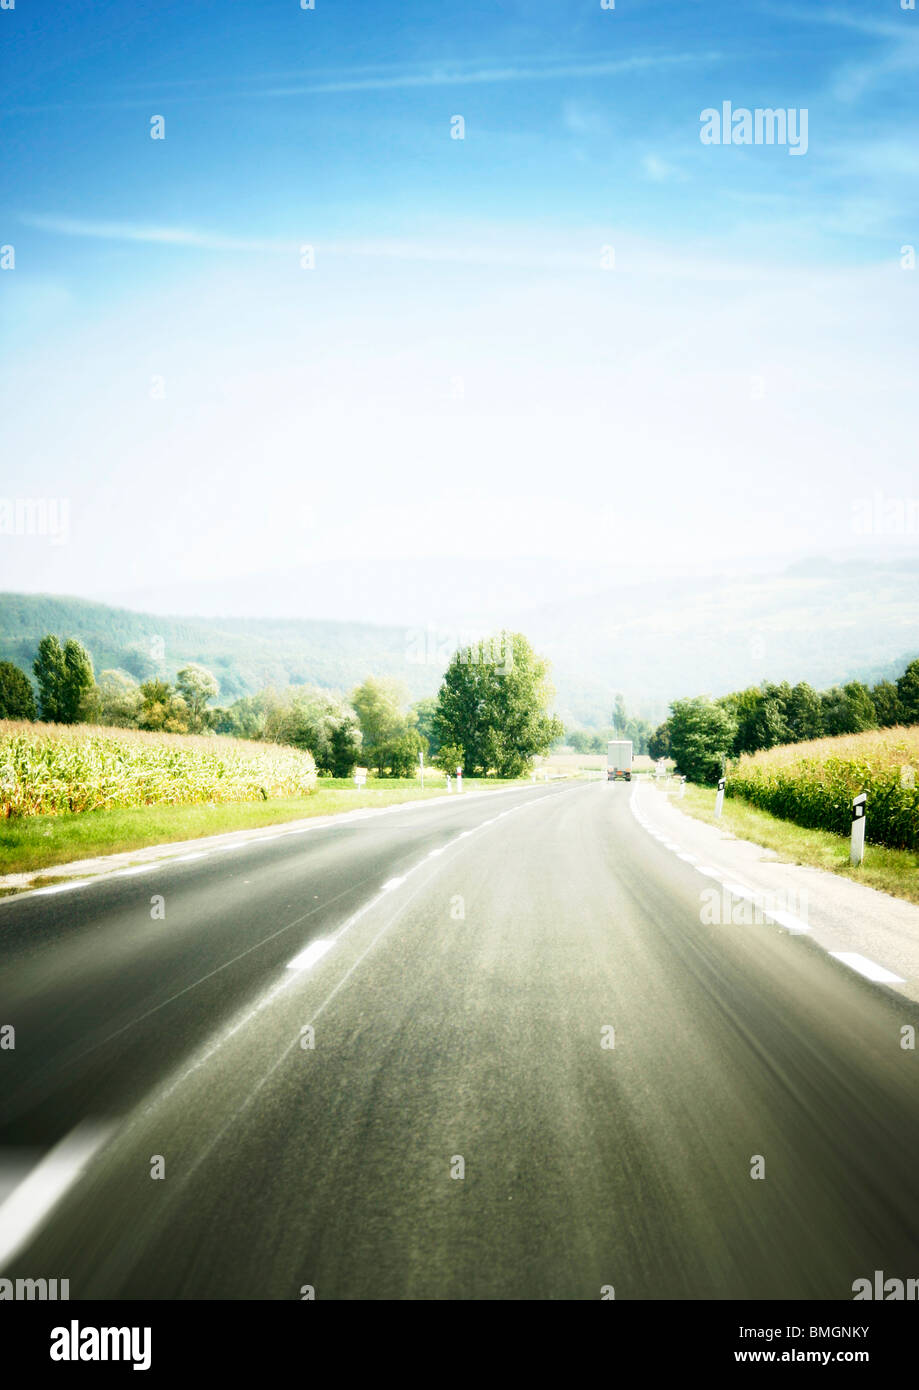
<point>150,233</point>
<point>451,74</point>
<point>661,170</point>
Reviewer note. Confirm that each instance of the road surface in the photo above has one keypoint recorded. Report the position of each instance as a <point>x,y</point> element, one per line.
<point>375,1061</point>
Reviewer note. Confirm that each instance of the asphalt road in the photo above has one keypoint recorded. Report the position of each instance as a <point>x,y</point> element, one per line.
<point>460,989</point>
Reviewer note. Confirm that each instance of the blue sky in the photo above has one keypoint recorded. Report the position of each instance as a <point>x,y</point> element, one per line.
<point>459,340</point>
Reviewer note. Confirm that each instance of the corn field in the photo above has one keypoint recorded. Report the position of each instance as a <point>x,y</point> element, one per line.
<point>813,784</point>
<point>57,769</point>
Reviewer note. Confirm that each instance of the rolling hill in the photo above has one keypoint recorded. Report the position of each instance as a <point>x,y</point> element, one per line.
<point>654,640</point>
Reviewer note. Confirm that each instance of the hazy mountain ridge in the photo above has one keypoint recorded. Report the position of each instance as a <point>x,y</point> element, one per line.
<point>653,640</point>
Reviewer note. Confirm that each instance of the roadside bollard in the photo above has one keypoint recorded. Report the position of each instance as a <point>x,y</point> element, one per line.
<point>857,847</point>
<point>719,799</point>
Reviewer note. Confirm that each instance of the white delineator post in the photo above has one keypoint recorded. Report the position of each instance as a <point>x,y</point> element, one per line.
<point>857,848</point>
<point>719,799</point>
<point>449,784</point>
<point>682,786</point>
<point>421,766</point>
<point>459,779</point>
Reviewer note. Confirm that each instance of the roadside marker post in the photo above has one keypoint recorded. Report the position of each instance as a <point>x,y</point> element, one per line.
<point>449,784</point>
<point>421,765</point>
<point>682,786</point>
<point>719,799</point>
<point>857,848</point>
<point>459,779</point>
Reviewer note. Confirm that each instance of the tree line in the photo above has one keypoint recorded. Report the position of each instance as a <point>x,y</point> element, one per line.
<point>701,733</point>
<point>490,716</point>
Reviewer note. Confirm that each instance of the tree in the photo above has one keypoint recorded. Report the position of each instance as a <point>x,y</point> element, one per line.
<point>886,700</point>
<point>17,699</point>
<point>196,685</point>
<point>162,709</point>
<point>325,725</point>
<point>620,717</point>
<point>702,734</point>
<point>848,710</point>
<point>449,758</point>
<point>803,713</point>
<point>245,718</point>
<point>405,754</point>
<point>64,676</point>
<point>908,692</point>
<point>344,745</point>
<point>379,706</point>
<point>493,704</point>
<point>659,741</point>
<point>424,712</point>
<point>115,701</point>
<point>862,714</point>
<point>48,667</point>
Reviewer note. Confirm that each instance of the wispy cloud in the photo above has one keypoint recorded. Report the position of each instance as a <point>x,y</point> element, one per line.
<point>899,56</point>
<point>453,75</point>
<point>141,232</point>
<point>383,78</point>
<point>501,249</point>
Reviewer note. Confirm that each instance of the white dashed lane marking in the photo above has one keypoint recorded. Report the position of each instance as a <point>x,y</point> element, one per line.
<point>853,959</point>
<point>869,968</point>
<point>315,951</point>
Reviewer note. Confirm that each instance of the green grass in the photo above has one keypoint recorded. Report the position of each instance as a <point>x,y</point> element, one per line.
<point>30,843</point>
<point>894,871</point>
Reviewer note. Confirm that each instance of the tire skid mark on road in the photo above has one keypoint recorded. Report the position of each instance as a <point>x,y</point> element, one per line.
<point>162,1093</point>
<point>297,973</point>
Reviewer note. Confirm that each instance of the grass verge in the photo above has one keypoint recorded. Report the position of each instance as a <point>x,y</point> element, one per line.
<point>30,843</point>
<point>894,871</point>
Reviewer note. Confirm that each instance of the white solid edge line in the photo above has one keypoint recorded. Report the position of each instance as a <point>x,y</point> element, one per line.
<point>392,883</point>
<point>315,951</point>
<point>29,1204</point>
<point>65,887</point>
<point>869,968</point>
<point>323,823</point>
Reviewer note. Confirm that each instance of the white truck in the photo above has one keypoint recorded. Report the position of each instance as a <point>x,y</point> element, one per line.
<point>619,759</point>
